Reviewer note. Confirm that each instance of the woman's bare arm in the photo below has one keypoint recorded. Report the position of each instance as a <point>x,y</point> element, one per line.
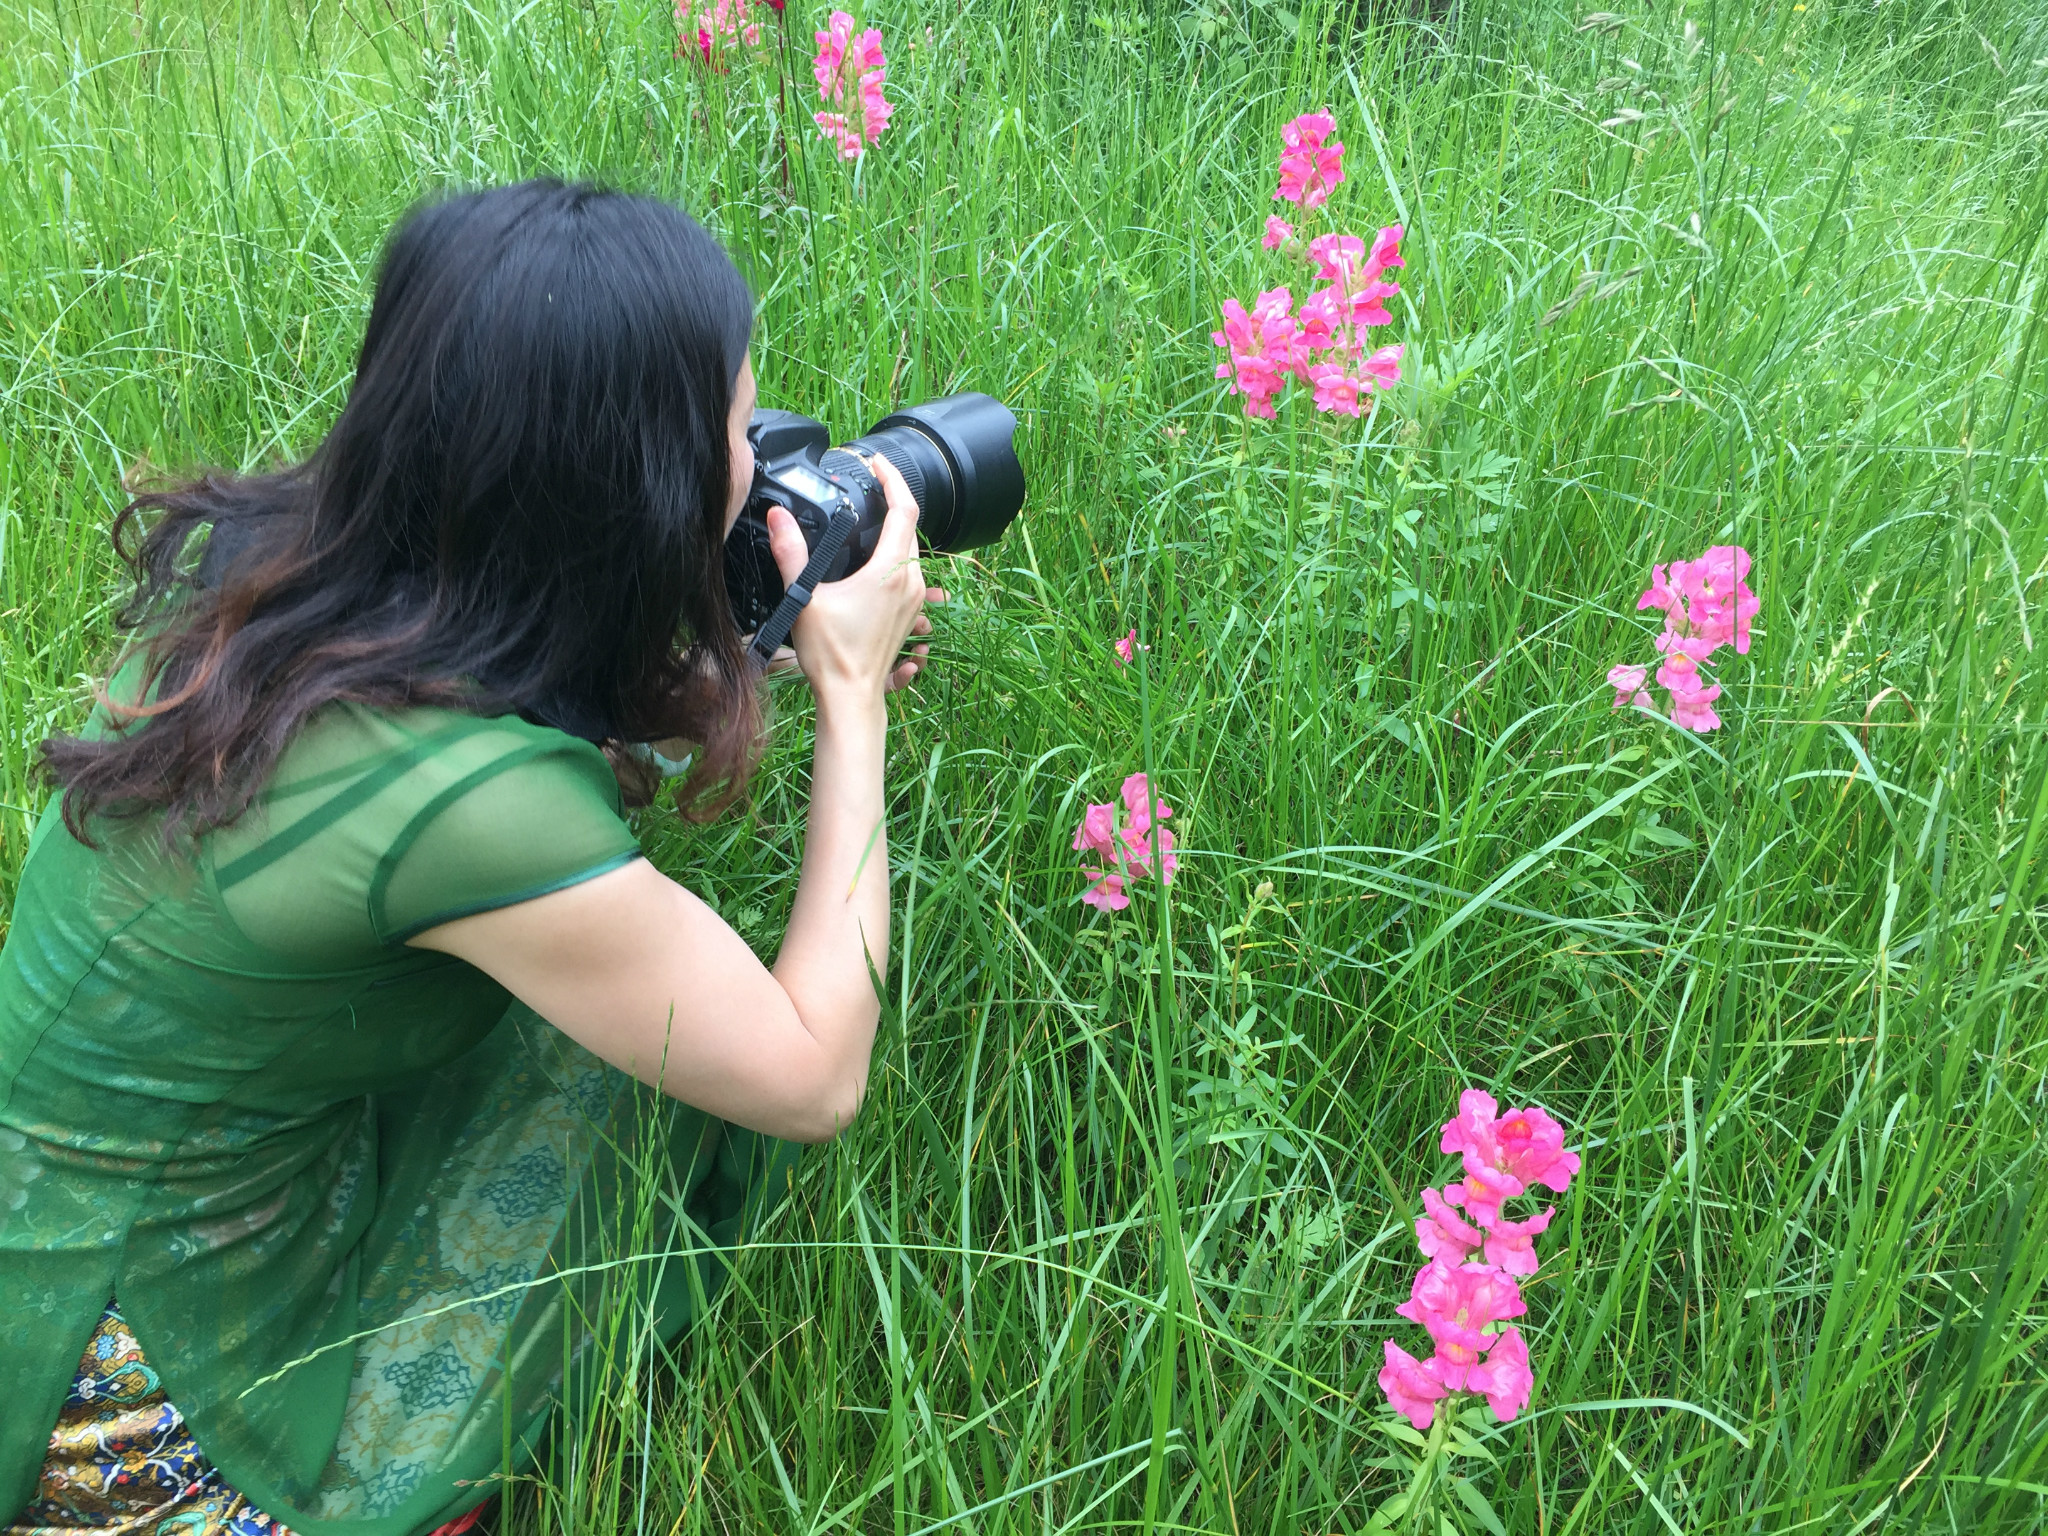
<point>647,976</point>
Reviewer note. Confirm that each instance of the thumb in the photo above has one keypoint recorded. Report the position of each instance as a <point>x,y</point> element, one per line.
<point>786,544</point>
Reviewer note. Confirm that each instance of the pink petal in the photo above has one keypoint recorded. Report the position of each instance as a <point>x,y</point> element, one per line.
<point>1412,1389</point>
<point>1442,1233</point>
<point>1107,895</point>
<point>1505,1378</point>
<point>1097,831</point>
<point>1512,1244</point>
<point>1386,248</point>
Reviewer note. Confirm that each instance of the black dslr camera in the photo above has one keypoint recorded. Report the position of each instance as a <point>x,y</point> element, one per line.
<point>955,454</point>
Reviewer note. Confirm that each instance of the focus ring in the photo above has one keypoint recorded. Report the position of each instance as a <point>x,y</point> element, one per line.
<point>906,466</point>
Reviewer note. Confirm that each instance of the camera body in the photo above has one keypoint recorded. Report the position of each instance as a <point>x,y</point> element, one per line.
<point>956,454</point>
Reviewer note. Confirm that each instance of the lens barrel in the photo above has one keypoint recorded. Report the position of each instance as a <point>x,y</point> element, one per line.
<point>959,458</point>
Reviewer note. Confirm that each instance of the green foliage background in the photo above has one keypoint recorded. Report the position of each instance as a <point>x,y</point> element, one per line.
<point>1116,1240</point>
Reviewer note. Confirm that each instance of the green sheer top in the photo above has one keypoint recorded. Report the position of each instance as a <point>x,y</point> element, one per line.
<point>231,1096</point>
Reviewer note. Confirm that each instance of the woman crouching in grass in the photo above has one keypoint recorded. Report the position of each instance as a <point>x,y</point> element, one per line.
<point>335,962</point>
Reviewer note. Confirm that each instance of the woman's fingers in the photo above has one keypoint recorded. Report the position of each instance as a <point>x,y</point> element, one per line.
<point>786,544</point>
<point>898,541</point>
<point>910,669</point>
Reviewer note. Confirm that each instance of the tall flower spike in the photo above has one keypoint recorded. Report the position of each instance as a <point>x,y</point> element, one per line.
<point>1127,848</point>
<point>831,54</point>
<point>851,72</point>
<point>1311,163</point>
<point>1466,1304</point>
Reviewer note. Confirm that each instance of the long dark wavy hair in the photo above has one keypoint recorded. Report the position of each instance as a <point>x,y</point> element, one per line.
<point>520,508</point>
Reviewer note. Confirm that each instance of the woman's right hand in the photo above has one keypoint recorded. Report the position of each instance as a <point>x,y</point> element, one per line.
<point>850,639</point>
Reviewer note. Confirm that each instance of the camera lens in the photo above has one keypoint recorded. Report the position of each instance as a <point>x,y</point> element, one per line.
<point>959,458</point>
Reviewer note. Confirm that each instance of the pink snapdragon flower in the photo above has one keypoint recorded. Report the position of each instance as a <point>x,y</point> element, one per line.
<point>1311,162</point>
<point>850,72</point>
<point>1441,1232</point>
<point>1323,346</point>
<point>1127,848</point>
<point>1384,366</point>
<point>1410,1386</point>
<point>1338,258</point>
<point>1694,711</point>
<point>1337,389</point>
<point>1386,248</point>
<point>1505,1154</point>
<point>1459,1303</point>
<point>1505,1379</point>
<point>1097,835</point>
<point>707,24</point>
<point>1369,305</point>
<point>1692,696</point>
<point>1627,683</point>
<point>1706,599</point>
<point>1107,894</point>
<point>1707,603</point>
<point>1344,259</point>
<point>1463,1303</point>
<point>1354,300</point>
<point>1139,811</point>
<point>1512,1244</point>
<point>1264,346</point>
<point>1319,320</point>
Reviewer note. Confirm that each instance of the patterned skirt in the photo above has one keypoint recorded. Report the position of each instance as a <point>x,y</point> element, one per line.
<point>122,1462</point>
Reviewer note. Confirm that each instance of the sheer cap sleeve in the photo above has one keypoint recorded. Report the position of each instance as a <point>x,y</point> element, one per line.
<point>521,824</point>
<point>378,826</point>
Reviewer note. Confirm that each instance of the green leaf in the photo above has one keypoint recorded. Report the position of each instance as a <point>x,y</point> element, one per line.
<point>1462,1444</point>
<point>1474,1500</point>
<point>1651,830</point>
<point>1403,1431</point>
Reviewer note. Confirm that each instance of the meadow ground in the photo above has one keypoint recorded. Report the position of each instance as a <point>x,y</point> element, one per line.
<point>1117,1239</point>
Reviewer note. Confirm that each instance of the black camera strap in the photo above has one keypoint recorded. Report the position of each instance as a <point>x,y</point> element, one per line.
<point>774,634</point>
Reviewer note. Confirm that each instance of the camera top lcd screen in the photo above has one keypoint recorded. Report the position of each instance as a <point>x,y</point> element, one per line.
<point>812,484</point>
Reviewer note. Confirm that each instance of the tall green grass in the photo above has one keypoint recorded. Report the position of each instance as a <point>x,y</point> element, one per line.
<point>1116,1239</point>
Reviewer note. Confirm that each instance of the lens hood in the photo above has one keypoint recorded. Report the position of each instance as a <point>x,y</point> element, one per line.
<point>975,437</point>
